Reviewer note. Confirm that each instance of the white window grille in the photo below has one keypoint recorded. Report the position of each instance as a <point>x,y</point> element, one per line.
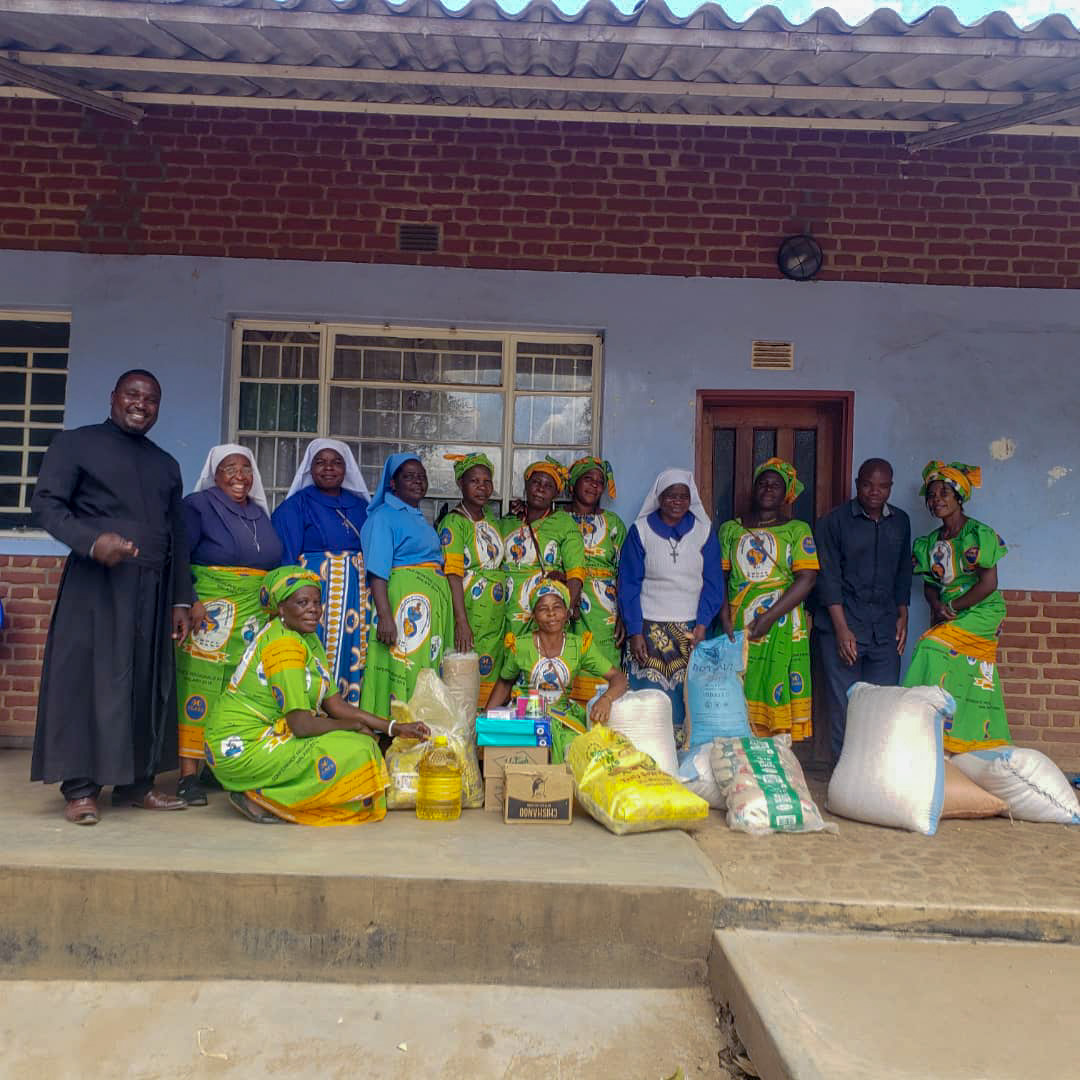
<point>33,392</point>
<point>381,390</point>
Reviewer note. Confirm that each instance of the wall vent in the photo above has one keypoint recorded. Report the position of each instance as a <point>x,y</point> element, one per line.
<point>418,238</point>
<point>772,356</point>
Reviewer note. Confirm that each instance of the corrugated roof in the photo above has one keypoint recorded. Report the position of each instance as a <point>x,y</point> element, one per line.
<point>647,64</point>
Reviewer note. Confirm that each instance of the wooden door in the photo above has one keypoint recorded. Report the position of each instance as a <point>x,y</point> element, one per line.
<point>737,431</point>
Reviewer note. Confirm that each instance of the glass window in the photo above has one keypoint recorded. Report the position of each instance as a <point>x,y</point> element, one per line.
<point>516,397</point>
<point>33,391</point>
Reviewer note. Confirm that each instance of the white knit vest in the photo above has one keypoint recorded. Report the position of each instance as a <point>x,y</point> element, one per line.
<point>672,588</point>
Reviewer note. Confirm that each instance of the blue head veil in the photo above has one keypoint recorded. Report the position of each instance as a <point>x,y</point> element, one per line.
<point>393,463</point>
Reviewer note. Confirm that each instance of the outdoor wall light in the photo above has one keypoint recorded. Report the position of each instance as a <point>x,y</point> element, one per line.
<point>799,257</point>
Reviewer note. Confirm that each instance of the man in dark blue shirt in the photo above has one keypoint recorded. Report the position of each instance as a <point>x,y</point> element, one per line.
<point>862,593</point>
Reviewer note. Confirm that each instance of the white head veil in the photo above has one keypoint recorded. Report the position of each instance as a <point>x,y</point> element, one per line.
<point>216,456</point>
<point>663,482</point>
<point>354,478</point>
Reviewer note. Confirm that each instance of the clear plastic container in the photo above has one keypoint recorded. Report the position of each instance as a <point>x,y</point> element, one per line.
<point>438,789</point>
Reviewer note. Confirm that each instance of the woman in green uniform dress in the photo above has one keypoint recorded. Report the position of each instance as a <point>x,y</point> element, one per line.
<point>547,661</point>
<point>603,533</point>
<point>541,542</point>
<point>410,611</point>
<point>771,564</point>
<point>958,563</point>
<point>281,739</point>
<point>473,550</point>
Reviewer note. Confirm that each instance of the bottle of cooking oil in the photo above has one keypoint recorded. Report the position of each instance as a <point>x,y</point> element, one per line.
<point>438,789</point>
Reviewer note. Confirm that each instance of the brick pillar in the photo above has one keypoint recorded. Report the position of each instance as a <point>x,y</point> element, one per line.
<point>1039,657</point>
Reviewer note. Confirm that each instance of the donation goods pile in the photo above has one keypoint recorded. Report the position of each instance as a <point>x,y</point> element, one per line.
<point>762,784</point>
<point>432,704</point>
<point>623,788</point>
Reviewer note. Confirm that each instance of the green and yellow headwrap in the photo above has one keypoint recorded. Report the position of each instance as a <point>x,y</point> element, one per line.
<point>792,487</point>
<point>281,583</point>
<point>963,479</point>
<point>464,462</point>
<point>555,469</point>
<point>549,587</point>
<point>587,464</point>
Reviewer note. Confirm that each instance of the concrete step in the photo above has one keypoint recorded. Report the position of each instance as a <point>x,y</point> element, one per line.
<point>203,893</point>
<point>855,1006</point>
<point>271,1030</point>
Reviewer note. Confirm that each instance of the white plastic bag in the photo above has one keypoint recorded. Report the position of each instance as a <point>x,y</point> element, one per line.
<point>892,768</point>
<point>1032,786</point>
<point>644,717</point>
<point>695,772</point>
<point>433,703</point>
<point>714,695</point>
<point>762,783</point>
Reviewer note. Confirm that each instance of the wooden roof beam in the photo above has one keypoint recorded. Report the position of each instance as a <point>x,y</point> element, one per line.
<point>1043,109</point>
<point>22,75</point>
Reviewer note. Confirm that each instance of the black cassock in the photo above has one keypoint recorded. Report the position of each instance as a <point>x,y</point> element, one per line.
<point>107,707</point>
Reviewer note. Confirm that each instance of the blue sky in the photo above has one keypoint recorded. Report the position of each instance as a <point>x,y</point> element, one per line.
<point>1024,12</point>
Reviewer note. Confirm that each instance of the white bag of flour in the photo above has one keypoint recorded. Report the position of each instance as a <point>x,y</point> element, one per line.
<point>695,772</point>
<point>1034,788</point>
<point>892,768</point>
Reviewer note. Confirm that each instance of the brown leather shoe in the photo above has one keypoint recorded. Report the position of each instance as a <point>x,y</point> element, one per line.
<point>82,811</point>
<point>158,800</point>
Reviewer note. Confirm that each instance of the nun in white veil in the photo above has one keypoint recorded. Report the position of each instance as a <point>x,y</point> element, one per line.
<point>231,544</point>
<point>319,524</point>
<point>671,586</point>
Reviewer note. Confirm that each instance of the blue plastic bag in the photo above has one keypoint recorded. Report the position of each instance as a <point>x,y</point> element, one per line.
<point>715,701</point>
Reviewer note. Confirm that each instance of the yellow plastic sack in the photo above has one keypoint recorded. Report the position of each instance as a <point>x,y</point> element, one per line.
<point>624,789</point>
<point>433,704</point>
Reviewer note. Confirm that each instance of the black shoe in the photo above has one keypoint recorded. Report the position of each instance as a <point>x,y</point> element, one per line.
<point>188,789</point>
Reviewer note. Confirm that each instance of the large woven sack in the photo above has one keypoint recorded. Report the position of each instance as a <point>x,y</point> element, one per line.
<point>1034,788</point>
<point>892,768</point>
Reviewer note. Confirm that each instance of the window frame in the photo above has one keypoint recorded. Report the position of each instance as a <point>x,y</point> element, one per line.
<point>30,531</point>
<point>328,332</point>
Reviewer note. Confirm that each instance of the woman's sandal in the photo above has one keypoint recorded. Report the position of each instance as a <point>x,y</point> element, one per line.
<point>240,802</point>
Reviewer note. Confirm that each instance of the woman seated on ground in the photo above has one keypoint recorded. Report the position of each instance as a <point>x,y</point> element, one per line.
<point>603,534</point>
<point>410,614</point>
<point>671,587</point>
<point>547,661</point>
<point>540,542</point>
<point>473,549</point>
<point>319,524</point>
<point>270,746</point>
<point>958,563</point>
<point>231,544</point>
<point>772,564</point>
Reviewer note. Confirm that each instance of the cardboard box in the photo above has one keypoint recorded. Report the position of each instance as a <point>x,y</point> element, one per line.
<point>494,793</point>
<point>539,795</point>
<point>497,757</point>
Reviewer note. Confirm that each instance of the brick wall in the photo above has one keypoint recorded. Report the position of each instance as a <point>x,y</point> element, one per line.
<point>1039,656</point>
<point>28,586</point>
<point>538,195</point>
<point>1039,653</point>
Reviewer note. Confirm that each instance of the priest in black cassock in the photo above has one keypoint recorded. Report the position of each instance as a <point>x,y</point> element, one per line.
<point>107,708</point>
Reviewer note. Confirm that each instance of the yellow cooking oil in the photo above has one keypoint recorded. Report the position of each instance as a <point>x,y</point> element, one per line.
<point>438,789</point>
